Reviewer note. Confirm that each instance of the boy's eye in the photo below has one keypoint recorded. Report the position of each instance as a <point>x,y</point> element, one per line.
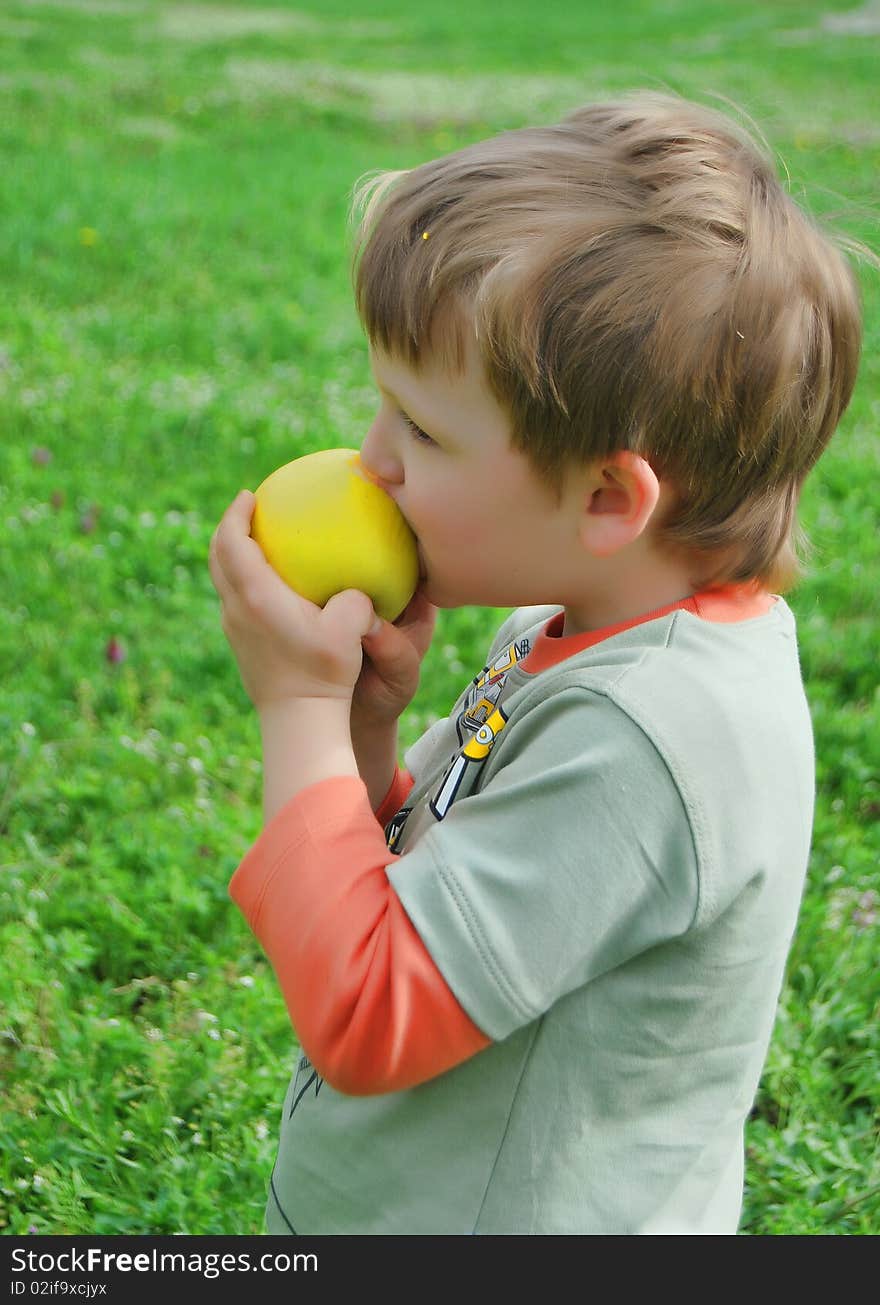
<point>422,436</point>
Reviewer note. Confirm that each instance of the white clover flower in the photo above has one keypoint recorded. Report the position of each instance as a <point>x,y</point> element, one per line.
<point>865,913</point>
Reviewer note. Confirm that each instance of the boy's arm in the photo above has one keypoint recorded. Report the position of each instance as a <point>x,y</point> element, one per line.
<point>387,683</point>
<point>375,752</point>
<point>368,1003</point>
<point>370,1006</point>
<point>394,799</point>
<point>306,740</point>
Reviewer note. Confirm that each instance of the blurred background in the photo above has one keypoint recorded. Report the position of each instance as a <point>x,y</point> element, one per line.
<point>175,322</point>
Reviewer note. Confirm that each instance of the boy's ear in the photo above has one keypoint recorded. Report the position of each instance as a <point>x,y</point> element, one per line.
<point>621,495</point>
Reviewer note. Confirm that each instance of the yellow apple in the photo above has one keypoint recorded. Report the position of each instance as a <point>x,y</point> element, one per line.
<point>325,526</point>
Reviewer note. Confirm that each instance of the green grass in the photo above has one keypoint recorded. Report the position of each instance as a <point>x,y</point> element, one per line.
<point>175,322</point>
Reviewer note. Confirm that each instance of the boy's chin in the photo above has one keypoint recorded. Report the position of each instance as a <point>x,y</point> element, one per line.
<point>461,591</point>
<point>449,598</point>
<point>436,595</point>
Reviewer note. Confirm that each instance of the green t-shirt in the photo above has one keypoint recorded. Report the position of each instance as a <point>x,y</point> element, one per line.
<point>605,861</point>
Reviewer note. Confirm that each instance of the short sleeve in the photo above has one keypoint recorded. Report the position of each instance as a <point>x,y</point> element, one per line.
<point>575,856</point>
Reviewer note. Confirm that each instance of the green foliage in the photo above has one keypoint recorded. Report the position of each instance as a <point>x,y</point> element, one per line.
<point>176,321</point>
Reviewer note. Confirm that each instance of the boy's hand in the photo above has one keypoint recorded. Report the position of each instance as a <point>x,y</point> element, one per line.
<point>286,647</point>
<point>389,676</point>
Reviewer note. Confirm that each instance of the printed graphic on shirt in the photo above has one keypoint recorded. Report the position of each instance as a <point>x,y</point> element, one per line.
<point>473,754</point>
<point>306,1077</point>
<point>487,689</point>
<point>395,825</point>
<point>478,726</point>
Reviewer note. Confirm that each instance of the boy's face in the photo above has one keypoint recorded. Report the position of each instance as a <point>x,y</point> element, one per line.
<point>490,532</point>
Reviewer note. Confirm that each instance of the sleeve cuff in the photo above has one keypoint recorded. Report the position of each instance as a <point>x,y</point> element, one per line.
<point>318,808</point>
<point>401,785</point>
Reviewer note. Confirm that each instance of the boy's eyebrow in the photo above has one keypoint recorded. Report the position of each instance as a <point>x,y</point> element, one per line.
<point>402,403</point>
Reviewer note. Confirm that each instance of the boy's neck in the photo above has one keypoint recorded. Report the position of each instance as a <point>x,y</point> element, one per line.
<point>631,584</point>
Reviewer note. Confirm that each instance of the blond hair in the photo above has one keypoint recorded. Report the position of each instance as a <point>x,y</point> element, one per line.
<point>638,279</point>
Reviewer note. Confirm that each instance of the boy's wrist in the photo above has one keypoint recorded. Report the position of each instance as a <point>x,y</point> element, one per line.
<point>305,740</point>
<point>375,750</point>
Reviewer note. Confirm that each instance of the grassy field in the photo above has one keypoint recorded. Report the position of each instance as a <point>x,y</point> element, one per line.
<point>175,321</point>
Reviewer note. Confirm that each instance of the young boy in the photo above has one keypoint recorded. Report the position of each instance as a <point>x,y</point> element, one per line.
<point>608,352</point>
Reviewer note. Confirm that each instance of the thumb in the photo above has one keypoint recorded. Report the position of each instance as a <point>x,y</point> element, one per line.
<point>391,651</point>
<point>350,613</point>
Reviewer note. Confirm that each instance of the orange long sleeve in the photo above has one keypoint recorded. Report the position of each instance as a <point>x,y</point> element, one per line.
<point>395,797</point>
<point>369,1006</point>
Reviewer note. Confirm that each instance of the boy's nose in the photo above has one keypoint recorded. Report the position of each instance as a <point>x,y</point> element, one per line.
<point>379,460</point>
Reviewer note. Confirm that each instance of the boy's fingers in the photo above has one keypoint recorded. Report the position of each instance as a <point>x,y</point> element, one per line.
<point>417,621</point>
<point>218,579</point>
<point>418,615</point>
<point>349,610</point>
<point>392,652</point>
<point>235,555</point>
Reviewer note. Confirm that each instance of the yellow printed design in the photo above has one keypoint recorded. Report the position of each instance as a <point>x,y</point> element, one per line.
<point>478,726</point>
<point>483,741</point>
<point>474,753</point>
<point>487,689</point>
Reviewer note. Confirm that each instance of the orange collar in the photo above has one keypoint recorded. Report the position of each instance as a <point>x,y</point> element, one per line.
<point>722,604</point>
